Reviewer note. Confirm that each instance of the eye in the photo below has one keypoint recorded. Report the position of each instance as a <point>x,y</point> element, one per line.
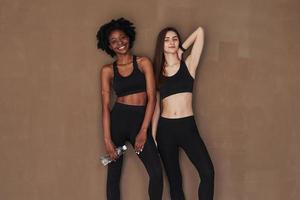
<point>113,42</point>
<point>124,37</point>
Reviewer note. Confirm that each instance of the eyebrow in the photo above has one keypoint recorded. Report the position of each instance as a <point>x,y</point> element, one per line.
<point>172,36</point>
<point>114,38</point>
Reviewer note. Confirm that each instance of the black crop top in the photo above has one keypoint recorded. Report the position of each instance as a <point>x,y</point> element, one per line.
<point>133,83</point>
<point>180,82</point>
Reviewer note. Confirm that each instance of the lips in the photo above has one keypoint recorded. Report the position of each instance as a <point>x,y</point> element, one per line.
<point>122,47</point>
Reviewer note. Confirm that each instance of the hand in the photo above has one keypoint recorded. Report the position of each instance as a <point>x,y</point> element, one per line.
<point>111,150</point>
<point>140,141</point>
<point>179,53</point>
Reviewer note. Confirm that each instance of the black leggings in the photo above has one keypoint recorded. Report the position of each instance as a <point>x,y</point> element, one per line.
<point>126,121</point>
<point>183,132</point>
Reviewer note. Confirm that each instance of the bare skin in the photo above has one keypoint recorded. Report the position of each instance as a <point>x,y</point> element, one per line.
<point>178,105</point>
<point>119,43</point>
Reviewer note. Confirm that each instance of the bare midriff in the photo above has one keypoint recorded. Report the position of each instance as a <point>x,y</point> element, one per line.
<point>177,105</point>
<point>137,99</point>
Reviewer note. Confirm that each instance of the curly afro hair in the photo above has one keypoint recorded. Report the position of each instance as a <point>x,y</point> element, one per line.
<point>104,31</point>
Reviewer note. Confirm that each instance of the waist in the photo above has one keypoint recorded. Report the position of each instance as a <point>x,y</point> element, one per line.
<point>179,105</point>
<point>178,125</point>
<point>190,117</point>
<point>128,107</point>
<point>139,98</point>
<point>177,114</point>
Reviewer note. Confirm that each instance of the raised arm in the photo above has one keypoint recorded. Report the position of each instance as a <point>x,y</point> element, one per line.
<point>197,39</point>
<point>147,68</point>
<point>105,76</point>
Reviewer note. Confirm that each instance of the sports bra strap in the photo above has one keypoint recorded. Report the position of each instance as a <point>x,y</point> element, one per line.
<point>134,62</point>
<point>115,67</point>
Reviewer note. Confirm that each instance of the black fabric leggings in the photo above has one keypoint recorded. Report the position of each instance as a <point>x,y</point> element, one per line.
<point>183,132</point>
<point>126,121</point>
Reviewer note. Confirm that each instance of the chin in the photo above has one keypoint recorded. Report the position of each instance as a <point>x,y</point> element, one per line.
<point>124,51</point>
<point>171,51</point>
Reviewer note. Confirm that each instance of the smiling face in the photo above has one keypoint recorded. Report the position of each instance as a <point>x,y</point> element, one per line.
<point>118,42</point>
<point>171,42</point>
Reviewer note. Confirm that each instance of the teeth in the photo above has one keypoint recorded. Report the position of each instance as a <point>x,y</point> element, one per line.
<point>121,47</point>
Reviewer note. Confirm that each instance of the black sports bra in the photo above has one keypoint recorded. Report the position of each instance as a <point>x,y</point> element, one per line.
<point>180,82</point>
<point>133,83</point>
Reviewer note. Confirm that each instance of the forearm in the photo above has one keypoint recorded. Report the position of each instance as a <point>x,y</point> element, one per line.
<point>191,39</point>
<point>148,113</point>
<point>155,118</point>
<point>106,123</point>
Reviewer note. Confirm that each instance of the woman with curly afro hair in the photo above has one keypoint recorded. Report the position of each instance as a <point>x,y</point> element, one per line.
<point>133,81</point>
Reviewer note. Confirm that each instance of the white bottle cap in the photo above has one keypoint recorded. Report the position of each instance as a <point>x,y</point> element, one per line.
<point>124,147</point>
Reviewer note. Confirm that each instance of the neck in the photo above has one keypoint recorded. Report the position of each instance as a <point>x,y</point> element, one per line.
<point>124,58</point>
<point>171,59</point>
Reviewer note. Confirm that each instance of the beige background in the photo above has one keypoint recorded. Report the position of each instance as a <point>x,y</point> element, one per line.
<point>246,96</point>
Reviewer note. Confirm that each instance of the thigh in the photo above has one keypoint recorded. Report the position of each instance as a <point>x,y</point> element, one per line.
<point>196,149</point>
<point>170,157</point>
<point>117,130</point>
<point>114,168</point>
<point>169,152</point>
<point>150,156</point>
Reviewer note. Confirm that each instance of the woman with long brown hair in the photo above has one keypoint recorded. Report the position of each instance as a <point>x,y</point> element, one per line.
<point>173,123</point>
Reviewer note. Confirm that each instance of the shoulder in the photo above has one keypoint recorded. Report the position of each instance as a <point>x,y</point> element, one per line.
<point>144,62</point>
<point>107,70</point>
<point>143,59</point>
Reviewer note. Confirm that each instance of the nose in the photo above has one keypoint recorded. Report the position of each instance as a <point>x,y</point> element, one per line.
<point>172,43</point>
<point>120,42</point>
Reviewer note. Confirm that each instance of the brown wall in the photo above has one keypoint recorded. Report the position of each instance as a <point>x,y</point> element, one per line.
<point>246,96</point>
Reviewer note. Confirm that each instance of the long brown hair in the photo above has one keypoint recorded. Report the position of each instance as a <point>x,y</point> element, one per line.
<point>159,56</point>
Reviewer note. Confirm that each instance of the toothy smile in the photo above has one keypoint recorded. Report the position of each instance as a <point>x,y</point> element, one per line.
<point>121,48</point>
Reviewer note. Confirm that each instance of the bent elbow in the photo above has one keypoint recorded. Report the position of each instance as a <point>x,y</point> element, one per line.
<point>200,29</point>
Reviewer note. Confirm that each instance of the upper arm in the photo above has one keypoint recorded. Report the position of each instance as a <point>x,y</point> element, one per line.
<point>158,101</point>
<point>105,76</point>
<point>147,68</point>
<point>192,60</point>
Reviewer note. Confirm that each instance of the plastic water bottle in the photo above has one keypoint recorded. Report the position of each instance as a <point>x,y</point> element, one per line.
<point>106,159</point>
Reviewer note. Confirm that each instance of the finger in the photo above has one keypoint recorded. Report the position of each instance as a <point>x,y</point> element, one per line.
<point>114,155</point>
<point>137,147</point>
<point>140,149</point>
<point>137,150</point>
